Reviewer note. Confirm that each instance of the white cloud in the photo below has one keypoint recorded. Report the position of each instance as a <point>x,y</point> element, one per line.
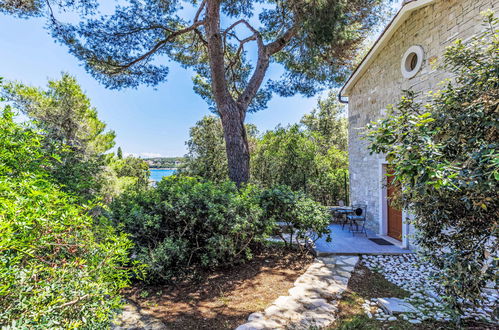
<point>149,155</point>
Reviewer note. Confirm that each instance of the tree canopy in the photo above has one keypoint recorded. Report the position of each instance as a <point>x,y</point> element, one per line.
<point>327,123</point>
<point>228,44</point>
<point>314,40</point>
<point>74,139</point>
<point>64,112</point>
<point>293,157</point>
<point>36,8</point>
<point>74,136</point>
<point>309,157</point>
<point>206,149</point>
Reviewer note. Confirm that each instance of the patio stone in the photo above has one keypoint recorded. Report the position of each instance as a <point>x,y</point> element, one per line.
<point>344,273</point>
<point>395,306</point>
<point>251,326</point>
<point>255,316</point>
<point>312,302</point>
<point>415,321</point>
<point>426,293</point>
<point>346,268</point>
<point>344,243</point>
<point>341,279</point>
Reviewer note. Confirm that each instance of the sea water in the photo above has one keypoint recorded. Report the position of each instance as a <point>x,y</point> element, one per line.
<point>158,174</point>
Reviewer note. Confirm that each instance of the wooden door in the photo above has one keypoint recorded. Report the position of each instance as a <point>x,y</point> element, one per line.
<point>394,215</point>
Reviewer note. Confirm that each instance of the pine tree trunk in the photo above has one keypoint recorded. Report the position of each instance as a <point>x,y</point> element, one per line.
<point>236,143</point>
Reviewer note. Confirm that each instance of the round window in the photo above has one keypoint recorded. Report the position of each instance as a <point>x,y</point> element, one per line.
<point>412,61</point>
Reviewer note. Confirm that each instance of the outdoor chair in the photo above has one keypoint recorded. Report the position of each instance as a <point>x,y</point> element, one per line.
<point>343,216</point>
<point>357,218</point>
<point>337,216</point>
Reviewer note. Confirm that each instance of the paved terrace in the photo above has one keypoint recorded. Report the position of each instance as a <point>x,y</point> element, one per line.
<point>345,243</point>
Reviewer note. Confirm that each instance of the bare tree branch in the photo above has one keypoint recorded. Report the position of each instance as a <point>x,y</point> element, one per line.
<point>200,9</point>
<point>196,19</point>
<point>282,41</point>
<point>252,37</point>
<point>256,79</point>
<point>69,303</point>
<point>241,21</point>
<point>201,37</point>
<point>215,50</point>
<point>160,44</point>
<point>240,50</point>
<point>264,53</point>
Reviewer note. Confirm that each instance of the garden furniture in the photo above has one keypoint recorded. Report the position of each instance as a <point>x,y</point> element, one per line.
<point>357,218</point>
<point>340,213</point>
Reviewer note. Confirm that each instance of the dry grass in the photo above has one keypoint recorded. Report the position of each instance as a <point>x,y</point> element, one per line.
<point>223,299</point>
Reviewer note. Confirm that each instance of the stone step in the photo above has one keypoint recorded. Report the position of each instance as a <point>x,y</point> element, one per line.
<point>393,306</point>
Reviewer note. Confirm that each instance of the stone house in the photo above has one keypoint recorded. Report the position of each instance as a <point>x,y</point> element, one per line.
<point>403,57</point>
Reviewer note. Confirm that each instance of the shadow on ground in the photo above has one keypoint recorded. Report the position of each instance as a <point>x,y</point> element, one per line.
<point>223,299</point>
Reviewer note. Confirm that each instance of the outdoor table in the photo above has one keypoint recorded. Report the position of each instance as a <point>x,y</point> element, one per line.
<point>341,211</point>
<point>338,208</point>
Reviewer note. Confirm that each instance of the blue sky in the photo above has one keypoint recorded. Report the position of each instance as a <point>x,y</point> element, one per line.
<point>148,121</point>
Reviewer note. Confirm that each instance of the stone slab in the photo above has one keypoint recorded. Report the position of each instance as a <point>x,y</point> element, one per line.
<point>313,300</point>
<point>395,306</point>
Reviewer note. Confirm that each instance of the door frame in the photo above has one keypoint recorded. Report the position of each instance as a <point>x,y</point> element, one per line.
<point>383,208</point>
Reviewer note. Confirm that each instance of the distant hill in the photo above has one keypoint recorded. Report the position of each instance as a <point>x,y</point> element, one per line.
<point>165,162</point>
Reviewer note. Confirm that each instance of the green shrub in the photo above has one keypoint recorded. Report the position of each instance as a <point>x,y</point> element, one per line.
<point>294,157</point>
<point>445,158</point>
<point>304,218</point>
<point>58,269</point>
<point>72,133</point>
<point>185,224</point>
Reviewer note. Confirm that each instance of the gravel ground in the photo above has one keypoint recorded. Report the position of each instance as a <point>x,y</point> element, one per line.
<point>417,277</point>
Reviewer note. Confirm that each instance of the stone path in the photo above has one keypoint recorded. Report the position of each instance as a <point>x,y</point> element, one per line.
<point>132,318</point>
<point>312,302</point>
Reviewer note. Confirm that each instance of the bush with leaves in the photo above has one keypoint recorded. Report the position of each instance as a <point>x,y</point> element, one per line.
<point>445,158</point>
<point>303,219</point>
<point>185,224</point>
<point>58,267</point>
<point>133,169</point>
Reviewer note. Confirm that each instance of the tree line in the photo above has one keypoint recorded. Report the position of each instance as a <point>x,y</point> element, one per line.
<point>75,141</point>
<point>310,156</point>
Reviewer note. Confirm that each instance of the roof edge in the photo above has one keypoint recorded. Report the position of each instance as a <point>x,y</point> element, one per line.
<point>407,8</point>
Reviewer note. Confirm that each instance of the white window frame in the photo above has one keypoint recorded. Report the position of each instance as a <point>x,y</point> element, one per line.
<point>405,64</point>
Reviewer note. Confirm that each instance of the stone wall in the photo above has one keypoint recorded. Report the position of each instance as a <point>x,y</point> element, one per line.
<point>433,27</point>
